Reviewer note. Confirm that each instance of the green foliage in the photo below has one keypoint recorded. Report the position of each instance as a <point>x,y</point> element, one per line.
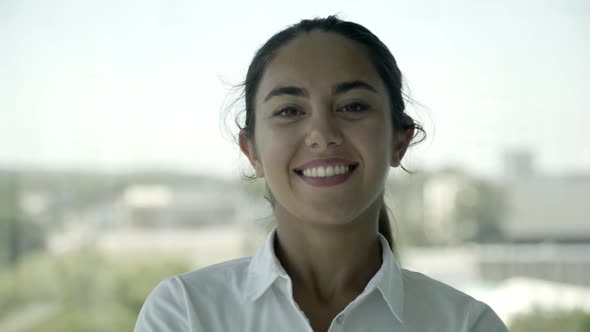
<point>94,292</point>
<point>90,319</point>
<point>551,321</point>
<point>480,208</point>
<point>33,279</point>
<point>19,237</point>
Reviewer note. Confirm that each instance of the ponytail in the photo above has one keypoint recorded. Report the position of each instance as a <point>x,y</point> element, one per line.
<point>385,226</point>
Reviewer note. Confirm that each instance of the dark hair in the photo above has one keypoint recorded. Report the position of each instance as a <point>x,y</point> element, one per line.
<point>380,57</point>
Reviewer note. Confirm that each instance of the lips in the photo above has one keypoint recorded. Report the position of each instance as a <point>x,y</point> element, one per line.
<point>325,163</point>
<point>322,179</point>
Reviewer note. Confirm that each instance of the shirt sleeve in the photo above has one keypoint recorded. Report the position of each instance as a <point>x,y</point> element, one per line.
<point>165,309</point>
<point>486,320</point>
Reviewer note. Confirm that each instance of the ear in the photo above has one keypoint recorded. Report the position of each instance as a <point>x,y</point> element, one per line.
<point>249,151</point>
<point>402,139</point>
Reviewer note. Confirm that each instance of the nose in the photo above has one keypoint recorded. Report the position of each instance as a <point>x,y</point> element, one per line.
<point>323,131</point>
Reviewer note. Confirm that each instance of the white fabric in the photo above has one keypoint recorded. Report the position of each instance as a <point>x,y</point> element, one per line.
<point>255,294</point>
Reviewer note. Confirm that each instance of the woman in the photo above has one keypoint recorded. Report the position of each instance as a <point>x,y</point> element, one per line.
<point>324,123</point>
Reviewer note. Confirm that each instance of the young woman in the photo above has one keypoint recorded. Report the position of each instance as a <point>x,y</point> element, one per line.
<point>324,123</point>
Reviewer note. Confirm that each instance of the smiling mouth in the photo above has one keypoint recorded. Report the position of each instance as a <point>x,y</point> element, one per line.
<point>350,169</point>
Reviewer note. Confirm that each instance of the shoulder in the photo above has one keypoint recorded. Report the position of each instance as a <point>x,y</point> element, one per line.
<point>222,279</point>
<point>222,274</point>
<point>419,285</point>
<point>174,299</point>
<point>218,273</point>
<point>424,294</point>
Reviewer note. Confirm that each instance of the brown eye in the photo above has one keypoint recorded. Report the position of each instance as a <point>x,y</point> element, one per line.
<point>287,112</point>
<point>354,108</point>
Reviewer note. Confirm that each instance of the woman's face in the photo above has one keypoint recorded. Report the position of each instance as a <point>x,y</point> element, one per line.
<point>320,98</point>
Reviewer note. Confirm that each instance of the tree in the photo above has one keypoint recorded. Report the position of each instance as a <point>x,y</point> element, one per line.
<point>18,234</point>
<point>550,321</point>
<point>479,210</point>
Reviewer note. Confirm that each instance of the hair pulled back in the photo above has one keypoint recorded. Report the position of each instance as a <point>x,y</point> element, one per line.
<point>379,55</point>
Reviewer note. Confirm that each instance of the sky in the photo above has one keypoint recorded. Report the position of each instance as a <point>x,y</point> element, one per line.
<point>131,85</point>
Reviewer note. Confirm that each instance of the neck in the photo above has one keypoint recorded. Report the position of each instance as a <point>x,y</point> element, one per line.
<point>329,261</point>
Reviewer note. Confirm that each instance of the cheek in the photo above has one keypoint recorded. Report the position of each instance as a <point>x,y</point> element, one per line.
<point>377,157</point>
<point>375,138</point>
<point>276,148</point>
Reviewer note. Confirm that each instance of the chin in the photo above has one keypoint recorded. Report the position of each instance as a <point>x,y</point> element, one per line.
<point>328,218</point>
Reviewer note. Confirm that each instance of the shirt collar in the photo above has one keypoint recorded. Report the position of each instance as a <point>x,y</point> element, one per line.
<point>388,280</point>
<point>265,268</point>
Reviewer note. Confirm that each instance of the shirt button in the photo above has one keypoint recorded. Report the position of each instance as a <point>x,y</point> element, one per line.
<point>339,319</point>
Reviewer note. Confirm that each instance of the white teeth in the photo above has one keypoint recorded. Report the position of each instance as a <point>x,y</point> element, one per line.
<point>340,169</point>
<point>326,171</point>
<point>330,171</point>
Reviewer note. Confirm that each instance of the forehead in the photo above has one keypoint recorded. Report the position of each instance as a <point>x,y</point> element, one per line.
<point>319,60</point>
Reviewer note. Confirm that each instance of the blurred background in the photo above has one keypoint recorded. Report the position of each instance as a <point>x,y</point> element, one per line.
<point>118,166</point>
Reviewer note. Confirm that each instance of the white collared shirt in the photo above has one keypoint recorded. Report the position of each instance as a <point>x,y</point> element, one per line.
<point>255,294</point>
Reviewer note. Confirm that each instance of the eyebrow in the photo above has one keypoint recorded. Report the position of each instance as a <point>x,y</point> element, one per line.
<point>339,88</point>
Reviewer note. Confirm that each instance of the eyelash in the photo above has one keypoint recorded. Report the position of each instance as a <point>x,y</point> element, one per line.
<point>361,107</point>
<point>280,111</point>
